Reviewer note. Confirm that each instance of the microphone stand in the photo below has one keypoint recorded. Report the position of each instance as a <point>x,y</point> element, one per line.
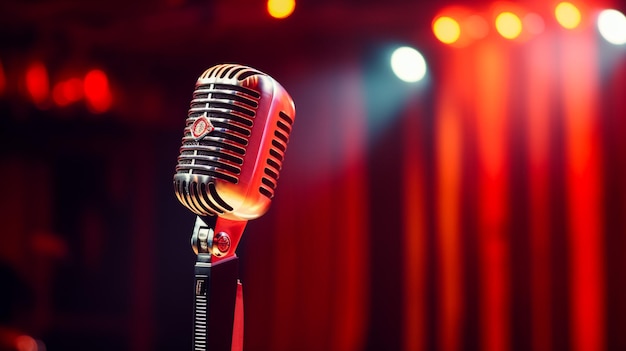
<point>218,298</point>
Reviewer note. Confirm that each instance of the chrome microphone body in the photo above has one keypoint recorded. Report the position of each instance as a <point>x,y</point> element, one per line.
<point>234,142</point>
<point>233,146</point>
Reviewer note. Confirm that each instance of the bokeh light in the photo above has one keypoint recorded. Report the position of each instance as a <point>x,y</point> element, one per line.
<point>97,91</point>
<point>280,8</point>
<point>25,343</point>
<point>612,26</point>
<point>446,29</point>
<point>408,64</point>
<point>476,27</point>
<point>37,83</point>
<point>533,23</point>
<point>567,15</point>
<point>508,25</point>
<point>67,92</point>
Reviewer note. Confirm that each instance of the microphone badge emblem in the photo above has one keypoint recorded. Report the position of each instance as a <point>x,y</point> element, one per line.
<point>201,127</point>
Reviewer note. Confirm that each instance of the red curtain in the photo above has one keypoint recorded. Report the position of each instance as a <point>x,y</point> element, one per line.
<point>486,213</point>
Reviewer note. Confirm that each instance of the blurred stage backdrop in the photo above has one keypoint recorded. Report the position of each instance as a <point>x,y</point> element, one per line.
<point>482,207</point>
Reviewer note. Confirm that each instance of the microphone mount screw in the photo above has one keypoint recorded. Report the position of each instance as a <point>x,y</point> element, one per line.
<point>221,244</point>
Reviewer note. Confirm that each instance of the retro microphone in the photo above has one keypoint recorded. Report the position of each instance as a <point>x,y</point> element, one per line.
<point>233,146</point>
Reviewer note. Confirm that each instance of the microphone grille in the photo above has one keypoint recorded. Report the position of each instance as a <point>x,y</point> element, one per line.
<point>227,111</point>
<point>234,141</point>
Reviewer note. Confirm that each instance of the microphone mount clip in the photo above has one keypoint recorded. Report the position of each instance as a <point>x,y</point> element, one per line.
<point>218,300</point>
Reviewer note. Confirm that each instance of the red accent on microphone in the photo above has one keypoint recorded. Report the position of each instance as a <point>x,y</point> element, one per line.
<point>234,229</point>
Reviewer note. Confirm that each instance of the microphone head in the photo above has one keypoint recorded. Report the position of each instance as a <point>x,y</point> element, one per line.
<point>234,142</point>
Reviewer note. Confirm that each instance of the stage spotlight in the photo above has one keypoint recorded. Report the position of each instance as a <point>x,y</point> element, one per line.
<point>280,8</point>
<point>408,64</point>
<point>567,15</point>
<point>508,25</point>
<point>612,26</point>
<point>446,29</point>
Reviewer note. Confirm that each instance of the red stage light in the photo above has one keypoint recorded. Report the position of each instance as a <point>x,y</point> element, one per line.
<point>97,91</point>
<point>58,96</point>
<point>73,89</point>
<point>67,92</point>
<point>37,83</point>
<point>459,26</point>
<point>446,29</point>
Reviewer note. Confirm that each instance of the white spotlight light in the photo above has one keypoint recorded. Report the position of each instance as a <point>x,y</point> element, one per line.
<point>612,26</point>
<point>408,64</point>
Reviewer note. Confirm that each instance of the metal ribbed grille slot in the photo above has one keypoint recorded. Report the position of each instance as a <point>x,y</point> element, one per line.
<point>217,197</point>
<point>266,192</point>
<point>274,162</point>
<point>246,91</point>
<point>271,173</point>
<point>230,71</point>
<point>281,136</point>
<point>276,155</point>
<point>205,202</point>
<point>285,117</point>
<point>279,147</point>
<point>197,200</point>
<point>202,105</point>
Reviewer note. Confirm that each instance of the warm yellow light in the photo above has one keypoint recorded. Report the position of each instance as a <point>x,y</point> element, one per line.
<point>280,8</point>
<point>567,15</point>
<point>508,25</point>
<point>446,29</point>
